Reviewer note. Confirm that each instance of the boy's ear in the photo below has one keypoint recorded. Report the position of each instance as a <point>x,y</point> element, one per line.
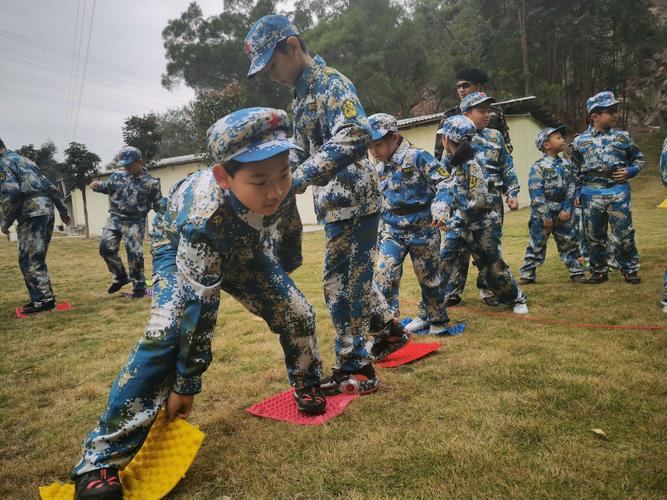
<point>293,42</point>
<point>221,176</point>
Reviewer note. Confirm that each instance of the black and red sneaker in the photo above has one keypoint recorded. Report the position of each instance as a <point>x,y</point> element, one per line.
<point>360,381</point>
<point>310,400</point>
<point>100,484</point>
<point>389,340</point>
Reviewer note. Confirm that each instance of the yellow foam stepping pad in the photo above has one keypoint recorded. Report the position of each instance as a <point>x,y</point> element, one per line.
<point>663,204</point>
<point>158,466</point>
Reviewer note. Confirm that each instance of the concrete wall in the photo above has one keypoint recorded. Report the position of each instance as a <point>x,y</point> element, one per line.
<point>523,129</point>
<point>98,203</point>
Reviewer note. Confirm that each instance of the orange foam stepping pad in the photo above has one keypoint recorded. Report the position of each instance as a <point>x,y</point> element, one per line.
<point>412,351</point>
<point>283,407</point>
<point>63,306</point>
<point>158,466</point>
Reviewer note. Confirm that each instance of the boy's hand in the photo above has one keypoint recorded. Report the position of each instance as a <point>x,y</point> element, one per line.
<point>577,202</point>
<point>620,175</point>
<point>513,203</point>
<point>179,405</point>
<point>548,224</point>
<point>564,216</point>
<point>65,218</point>
<point>439,224</point>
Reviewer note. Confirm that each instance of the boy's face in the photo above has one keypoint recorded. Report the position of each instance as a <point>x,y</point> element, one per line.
<point>383,149</point>
<point>464,87</point>
<point>480,115</point>
<point>555,143</point>
<point>260,185</point>
<point>285,68</point>
<point>134,168</point>
<point>448,145</point>
<point>607,118</point>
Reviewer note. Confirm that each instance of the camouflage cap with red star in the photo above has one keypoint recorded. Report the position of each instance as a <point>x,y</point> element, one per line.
<point>262,38</point>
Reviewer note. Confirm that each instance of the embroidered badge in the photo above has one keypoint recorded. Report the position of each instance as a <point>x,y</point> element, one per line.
<point>349,109</point>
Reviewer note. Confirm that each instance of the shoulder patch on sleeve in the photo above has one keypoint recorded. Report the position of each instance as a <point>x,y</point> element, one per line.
<point>349,109</point>
<point>3,174</point>
<point>443,171</point>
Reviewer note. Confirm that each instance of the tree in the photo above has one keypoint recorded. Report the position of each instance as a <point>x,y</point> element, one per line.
<point>81,166</point>
<point>44,157</point>
<point>178,135</point>
<point>143,132</point>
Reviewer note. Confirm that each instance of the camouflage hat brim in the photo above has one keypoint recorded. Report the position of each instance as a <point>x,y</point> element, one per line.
<point>379,133</point>
<point>125,163</point>
<point>261,150</point>
<point>258,63</point>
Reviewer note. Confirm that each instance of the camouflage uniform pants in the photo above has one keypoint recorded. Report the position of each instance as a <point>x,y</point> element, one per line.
<point>565,235</point>
<point>423,246</point>
<point>351,298</point>
<point>482,237</point>
<point>143,384</point>
<point>460,264</point>
<point>132,232</point>
<point>610,209</point>
<point>34,235</point>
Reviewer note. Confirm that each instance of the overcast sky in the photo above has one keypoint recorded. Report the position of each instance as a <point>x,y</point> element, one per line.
<point>125,61</point>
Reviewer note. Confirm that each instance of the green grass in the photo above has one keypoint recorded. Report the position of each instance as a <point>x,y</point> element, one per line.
<point>505,410</point>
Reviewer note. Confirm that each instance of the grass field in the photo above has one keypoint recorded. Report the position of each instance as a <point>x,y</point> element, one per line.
<point>504,410</point>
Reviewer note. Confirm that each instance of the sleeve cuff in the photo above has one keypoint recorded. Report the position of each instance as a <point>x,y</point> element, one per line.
<point>633,170</point>
<point>187,386</point>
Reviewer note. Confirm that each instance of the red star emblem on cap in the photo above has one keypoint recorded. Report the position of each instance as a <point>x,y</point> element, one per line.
<point>247,48</point>
<point>274,121</point>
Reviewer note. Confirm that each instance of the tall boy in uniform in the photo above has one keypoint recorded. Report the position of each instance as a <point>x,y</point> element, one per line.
<point>604,159</point>
<point>331,128</point>
<point>207,236</point>
<point>409,179</point>
<point>551,186</point>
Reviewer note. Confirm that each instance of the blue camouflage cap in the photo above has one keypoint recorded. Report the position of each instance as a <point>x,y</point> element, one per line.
<point>128,155</point>
<point>457,128</point>
<point>262,38</point>
<point>250,134</point>
<point>474,99</point>
<point>544,134</point>
<point>381,124</point>
<point>601,100</point>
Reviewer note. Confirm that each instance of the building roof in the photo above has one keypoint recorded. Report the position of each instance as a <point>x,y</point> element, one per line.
<point>520,106</point>
<point>178,160</point>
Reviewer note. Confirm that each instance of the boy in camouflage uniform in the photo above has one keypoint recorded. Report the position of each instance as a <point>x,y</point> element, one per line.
<point>409,179</point>
<point>331,128</point>
<point>132,194</point>
<point>551,186</point>
<point>604,159</point>
<point>469,208</point>
<point>492,153</point>
<point>208,236</point>
<point>27,196</point>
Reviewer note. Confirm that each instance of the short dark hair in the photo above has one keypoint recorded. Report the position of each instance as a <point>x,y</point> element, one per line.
<point>232,166</point>
<point>281,46</point>
<point>2,144</point>
<point>474,75</point>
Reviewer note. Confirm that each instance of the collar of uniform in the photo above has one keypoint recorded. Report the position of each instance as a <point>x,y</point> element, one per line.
<point>308,76</point>
<point>551,161</point>
<point>596,133</point>
<point>399,155</point>
<point>253,219</point>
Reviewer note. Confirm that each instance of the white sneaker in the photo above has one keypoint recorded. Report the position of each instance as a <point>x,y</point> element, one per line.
<point>520,309</point>
<point>417,325</point>
<point>438,328</point>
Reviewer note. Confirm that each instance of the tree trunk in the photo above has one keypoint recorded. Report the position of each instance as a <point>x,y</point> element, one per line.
<point>524,45</point>
<point>85,211</point>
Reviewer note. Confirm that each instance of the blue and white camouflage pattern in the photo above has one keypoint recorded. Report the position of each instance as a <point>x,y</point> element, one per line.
<point>474,99</point>
<point>457,128</point>
<point>409,182</point>
<point>595,156</point>
<point>28,197</point>
<point>603,99</point>
<point>551,187</point>
<point>250,134</point>
<point>203,241</point>
<point>262,38</point>
<point>128,155</point>
<point>663,175</point>
<point>381,124</point>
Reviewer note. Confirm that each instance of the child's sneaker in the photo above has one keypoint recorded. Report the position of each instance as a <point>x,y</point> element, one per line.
<point>520,309</point>
<point>389,340</point>
<point>578,278</point>
<point>310,400</point>
<point>38,307</point>
<point>438,328</point>
<point>361,381</point>
<point>632,278</point>
<point>100,484</point>
<point>417,325</point>
<point>489,298</point>
<point>598,277</point>
<point>452,300</point>
<point>117,285</point>
<point>526,280</point>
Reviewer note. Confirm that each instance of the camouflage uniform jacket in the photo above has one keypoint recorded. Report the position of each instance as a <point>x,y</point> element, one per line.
<point>24,191</point>
<point>551,186</point>
<point>663,163</point>
<point>330,126</point>
<point>131,196</point>
<point>492,153</point>
<point>596,154</point>
<point>409,181</point>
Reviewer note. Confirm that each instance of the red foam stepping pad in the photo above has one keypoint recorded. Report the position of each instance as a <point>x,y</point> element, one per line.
<point>409,353</point>
<point>283,407</point>
<point>63,306</point>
